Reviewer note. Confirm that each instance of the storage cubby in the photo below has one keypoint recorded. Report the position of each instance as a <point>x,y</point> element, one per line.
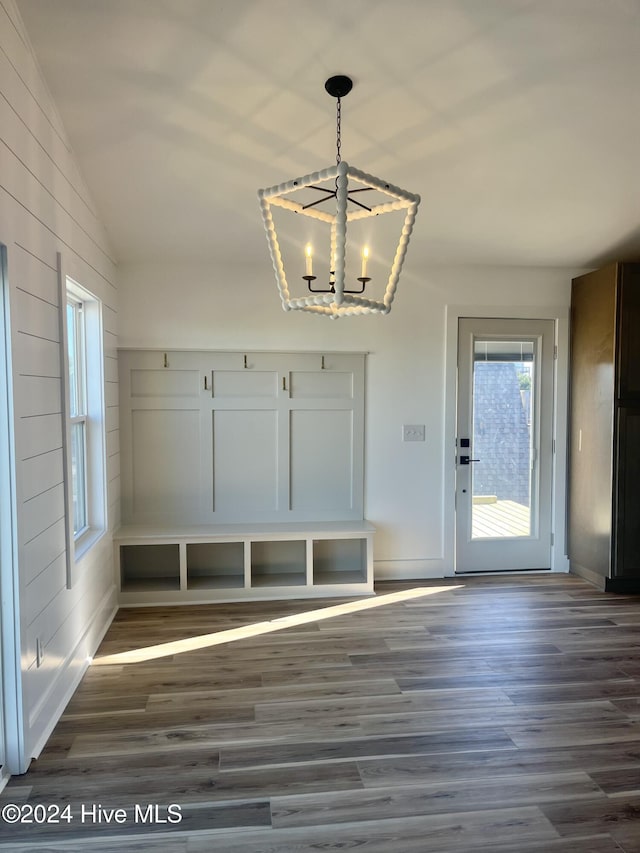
<point>149,567</point>
<point>279,563</point>
<point>338,561</point>
<point>190,564</point>
<point>215,565</point>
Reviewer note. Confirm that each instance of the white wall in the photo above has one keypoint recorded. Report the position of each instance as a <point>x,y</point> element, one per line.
<point>208,307</point>
<point>45,209</point>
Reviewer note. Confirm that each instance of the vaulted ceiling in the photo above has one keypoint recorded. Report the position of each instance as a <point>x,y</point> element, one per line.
<point>517,121</point>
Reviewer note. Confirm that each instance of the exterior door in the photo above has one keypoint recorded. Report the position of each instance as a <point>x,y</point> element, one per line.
<point>504,444</point>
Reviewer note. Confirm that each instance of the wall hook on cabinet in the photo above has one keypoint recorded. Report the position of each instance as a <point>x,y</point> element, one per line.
<point>166,360</point>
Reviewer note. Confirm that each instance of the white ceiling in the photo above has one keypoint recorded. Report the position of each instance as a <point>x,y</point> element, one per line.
<point>517,121</point>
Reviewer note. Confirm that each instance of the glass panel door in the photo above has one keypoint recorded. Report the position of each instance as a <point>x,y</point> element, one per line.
<point>504,459</point>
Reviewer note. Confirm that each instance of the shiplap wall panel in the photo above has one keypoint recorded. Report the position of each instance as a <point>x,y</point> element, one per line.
<point>113,468</point>
<point>109,314</point>
<point>39,396</point>
<point>111,394</point>
<point>112,419</point>
<point>53,618</point>
<point>40,473</point>
<point>43,590</point>
<point>111,346</point>
<point>38,133</point>
<point>42,550</point>
<point>35,276</point>
<point>38,158</point>
<point>110,369</point>
<point>42,511</point>
<point>41,434</point>
<point>37,356</point>
<point>16,47</point>
<point>113,443</point>
<point>19,183</point>
<point>45,209</point>
<point>40,318</point>
<point>42,684</point>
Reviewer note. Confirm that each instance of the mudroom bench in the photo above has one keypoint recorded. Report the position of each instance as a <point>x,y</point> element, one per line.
<point>234,562</point>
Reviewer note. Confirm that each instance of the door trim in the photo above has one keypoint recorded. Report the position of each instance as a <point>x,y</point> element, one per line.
<point>559,560</point>
<point>532,551</point>
<point>10,673</point>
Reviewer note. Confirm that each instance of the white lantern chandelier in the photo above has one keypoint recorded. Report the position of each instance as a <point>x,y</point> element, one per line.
<point>337,296</point>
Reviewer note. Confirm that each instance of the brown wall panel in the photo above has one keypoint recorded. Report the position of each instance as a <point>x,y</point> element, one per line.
<point>593,312</point>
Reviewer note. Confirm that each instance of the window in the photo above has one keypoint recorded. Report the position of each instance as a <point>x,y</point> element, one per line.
<point>85,406</point>
<point>77,412</point>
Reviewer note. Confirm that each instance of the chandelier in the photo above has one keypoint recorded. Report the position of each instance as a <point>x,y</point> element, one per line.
<point>337,197</point>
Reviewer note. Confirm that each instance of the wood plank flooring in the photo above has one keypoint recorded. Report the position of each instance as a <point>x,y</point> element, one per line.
<point>497,714</point>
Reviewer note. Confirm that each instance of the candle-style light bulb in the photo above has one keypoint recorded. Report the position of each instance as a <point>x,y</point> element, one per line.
<point>308,252</point>
<point>365,256</point>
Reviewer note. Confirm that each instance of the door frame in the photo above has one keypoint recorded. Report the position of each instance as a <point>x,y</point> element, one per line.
<point>11,717</point>
<point>559,559</point>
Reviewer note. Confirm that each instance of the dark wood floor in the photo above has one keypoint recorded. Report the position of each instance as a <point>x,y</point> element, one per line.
<point>481,714</point>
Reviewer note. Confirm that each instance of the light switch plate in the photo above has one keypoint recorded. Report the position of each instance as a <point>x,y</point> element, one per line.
<point>413,432</point>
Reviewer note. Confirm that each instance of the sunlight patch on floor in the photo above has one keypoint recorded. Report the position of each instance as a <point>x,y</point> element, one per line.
<point>256,629</point>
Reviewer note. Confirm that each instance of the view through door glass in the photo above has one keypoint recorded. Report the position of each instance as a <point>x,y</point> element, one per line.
<point>503,375</point>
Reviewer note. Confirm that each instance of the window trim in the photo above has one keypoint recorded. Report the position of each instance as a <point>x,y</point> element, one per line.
<point>79,544</point>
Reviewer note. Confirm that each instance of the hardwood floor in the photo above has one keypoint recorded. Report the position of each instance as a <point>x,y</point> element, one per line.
<point>477,714</point>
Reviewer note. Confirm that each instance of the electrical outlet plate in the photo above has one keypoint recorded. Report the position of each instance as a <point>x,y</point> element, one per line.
<point>413,432</point>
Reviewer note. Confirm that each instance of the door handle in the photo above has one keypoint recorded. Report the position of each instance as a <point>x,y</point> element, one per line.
<point>465,460</point>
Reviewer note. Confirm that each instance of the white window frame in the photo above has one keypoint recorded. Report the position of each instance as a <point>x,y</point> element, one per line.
<point>84,405</point>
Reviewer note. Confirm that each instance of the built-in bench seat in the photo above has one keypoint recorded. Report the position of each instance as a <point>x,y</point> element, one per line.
<point>232,562</point>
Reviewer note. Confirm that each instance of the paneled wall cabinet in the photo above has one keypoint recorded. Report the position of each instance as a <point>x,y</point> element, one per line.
<point>604,480</point>
<point>242,476</point>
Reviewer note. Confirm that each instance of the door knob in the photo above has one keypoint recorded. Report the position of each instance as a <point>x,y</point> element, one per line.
<point>465,460</point>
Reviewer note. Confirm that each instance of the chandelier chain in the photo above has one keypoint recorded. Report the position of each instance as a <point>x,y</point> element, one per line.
<point>338,131</point>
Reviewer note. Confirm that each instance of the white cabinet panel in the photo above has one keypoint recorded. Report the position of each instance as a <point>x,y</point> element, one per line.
<point>321,461</point>
<point>165,383</point>
<point>233,437</point>
<point>245,461</point>
<point>244,383</point>
<point>324,383</point>
<point>166,462</point>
